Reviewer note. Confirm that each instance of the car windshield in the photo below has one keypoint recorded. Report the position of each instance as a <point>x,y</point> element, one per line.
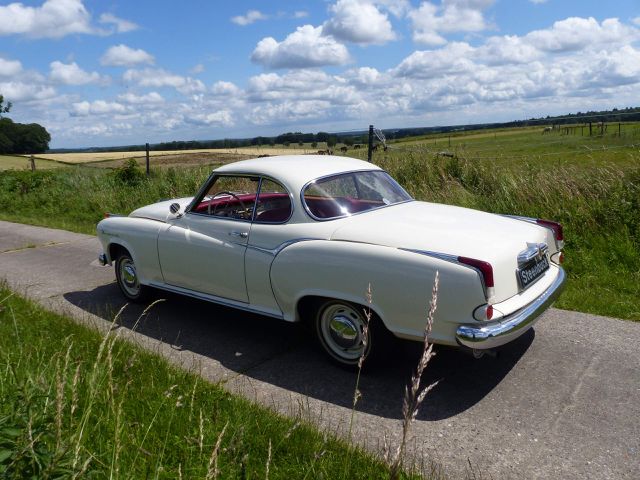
<point>348,193</point>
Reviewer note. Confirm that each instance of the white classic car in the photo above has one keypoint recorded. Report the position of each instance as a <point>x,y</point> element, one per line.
<point>301,237</point>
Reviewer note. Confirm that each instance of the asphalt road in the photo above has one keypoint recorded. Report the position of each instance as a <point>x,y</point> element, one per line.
<point>561,402</point>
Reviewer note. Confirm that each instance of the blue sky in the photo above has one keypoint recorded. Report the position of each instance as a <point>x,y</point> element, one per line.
<point>111,73</point>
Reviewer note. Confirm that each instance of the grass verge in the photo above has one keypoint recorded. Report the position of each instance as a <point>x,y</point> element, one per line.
<point>75,404</point>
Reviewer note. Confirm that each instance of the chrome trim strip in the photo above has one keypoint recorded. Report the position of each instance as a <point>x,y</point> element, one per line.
<point>512,326</point>
<point>214,299</point>
<point>275,251</point>
<point>442,256</point>
<point>306,208</point>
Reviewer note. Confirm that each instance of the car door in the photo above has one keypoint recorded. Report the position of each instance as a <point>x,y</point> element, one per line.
<point>204,249</point>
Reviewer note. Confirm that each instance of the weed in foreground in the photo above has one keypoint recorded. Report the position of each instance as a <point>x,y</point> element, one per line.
<point>414,396</point>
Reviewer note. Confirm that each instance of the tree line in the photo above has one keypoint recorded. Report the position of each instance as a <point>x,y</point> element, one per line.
<point>21,138</point>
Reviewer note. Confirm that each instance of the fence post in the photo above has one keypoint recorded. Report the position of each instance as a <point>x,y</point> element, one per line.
<point>33,163</point>
<point>619,134</point>
<point>590,130</point>
<point>147,149</point>
<point>370,151</point>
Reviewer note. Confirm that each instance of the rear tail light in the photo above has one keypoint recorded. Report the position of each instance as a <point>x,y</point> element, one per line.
<point>558,233</point>
<point>486,271</point>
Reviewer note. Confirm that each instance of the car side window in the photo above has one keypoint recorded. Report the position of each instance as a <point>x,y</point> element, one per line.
<point>274,203</point>
<point>229,196</point>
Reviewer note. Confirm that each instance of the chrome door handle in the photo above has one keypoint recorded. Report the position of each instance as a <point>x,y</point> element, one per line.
<point>239,234</point>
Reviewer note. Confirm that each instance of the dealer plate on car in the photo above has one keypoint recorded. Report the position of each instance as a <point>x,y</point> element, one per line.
<point>532,270</point>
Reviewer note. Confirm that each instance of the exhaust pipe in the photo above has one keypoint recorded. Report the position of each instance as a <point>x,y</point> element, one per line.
<point>478,354</point>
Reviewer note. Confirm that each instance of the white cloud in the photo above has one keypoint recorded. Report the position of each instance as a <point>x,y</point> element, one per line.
<point>199,68</point>
<point>618,67</point>
<point>17,91</point>
<point>508,49</point>
<point>97,107</point>
<point>72,74</point>
<point>300,14</point>
<point>397,8</point>
<point>365,76</point>
<point>121,25</point>
<point>100,129</point>
<point>9,68</point>
<point>226,89</point>
<point>306,47</point>
<point>220,118</point>
<point>289,111</point>
<point>121,56</point>
<point>429,21</point>
<point>298,85</point>
<point>54,19</point>
<point>538,2</point>
<point>250,17</point>
<point>149,77</point>
<point>359,21</point>
<point>453,59</point>
<point>577,33</point>
<point>636,21</point>
<point>149,98</point>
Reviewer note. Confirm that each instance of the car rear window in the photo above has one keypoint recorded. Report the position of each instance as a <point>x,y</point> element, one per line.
<point>348,193</point>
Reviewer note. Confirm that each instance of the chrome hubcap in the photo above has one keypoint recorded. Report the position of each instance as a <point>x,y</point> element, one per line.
<point>342,329</point>
<point>129,277</point>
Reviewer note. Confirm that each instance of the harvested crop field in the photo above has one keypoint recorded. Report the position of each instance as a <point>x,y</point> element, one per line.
<point>91,157</point>
<point>18,162</point>
<point>212,159</point>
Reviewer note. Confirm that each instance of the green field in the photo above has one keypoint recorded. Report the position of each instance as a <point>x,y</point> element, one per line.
<point>75,404</point>
<point>590,184</point>
<point>515,147</point>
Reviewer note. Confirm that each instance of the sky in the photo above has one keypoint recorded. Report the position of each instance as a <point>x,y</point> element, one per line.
<point>101,73</point>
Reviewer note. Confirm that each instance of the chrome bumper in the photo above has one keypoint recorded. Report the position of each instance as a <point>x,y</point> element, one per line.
<point>511,327</point>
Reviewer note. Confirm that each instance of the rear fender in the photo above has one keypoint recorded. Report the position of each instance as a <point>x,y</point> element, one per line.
<point>401,284</point>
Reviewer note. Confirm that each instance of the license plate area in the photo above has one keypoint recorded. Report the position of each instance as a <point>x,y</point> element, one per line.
<point>532,270</point>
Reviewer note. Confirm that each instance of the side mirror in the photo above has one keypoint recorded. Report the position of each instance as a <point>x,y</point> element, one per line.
<point>174,208</point>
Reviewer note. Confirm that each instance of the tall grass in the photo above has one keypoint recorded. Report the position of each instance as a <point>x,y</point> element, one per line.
<point>599,207</point>
<point>75,404</point>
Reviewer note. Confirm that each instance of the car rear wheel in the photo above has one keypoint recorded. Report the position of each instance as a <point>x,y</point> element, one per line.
<point>128,279</point>
<point>342,332</point>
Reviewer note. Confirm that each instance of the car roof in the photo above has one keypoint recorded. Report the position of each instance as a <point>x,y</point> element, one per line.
<point>297,170</point>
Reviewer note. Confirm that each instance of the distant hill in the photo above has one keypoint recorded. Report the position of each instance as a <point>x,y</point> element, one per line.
<point>629,114</point>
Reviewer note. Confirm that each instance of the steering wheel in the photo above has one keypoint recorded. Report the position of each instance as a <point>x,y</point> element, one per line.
<point>224,192</point>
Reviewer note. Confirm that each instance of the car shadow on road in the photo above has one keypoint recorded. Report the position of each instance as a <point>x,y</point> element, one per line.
<point>283,354</point>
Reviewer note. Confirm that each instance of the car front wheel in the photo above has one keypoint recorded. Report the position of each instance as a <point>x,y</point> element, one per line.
<point>342,331</point>
<point>128,279</point>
